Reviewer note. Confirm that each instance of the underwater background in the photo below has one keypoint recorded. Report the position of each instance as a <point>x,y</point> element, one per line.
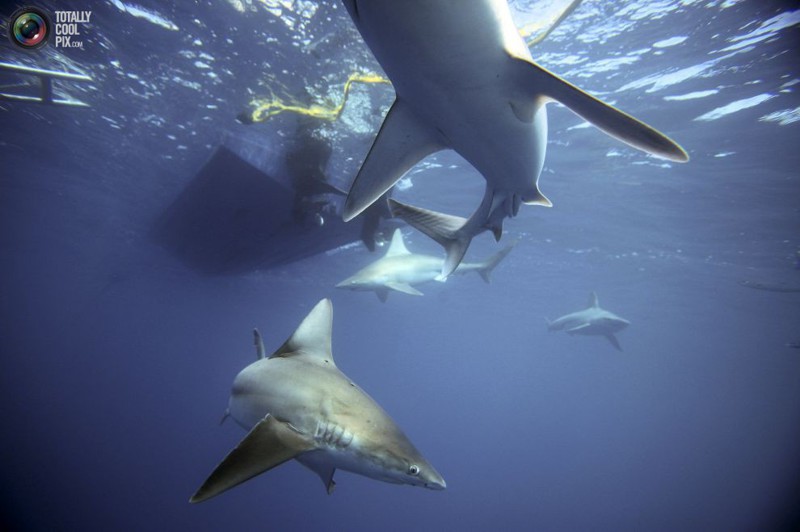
<point>117,359</point>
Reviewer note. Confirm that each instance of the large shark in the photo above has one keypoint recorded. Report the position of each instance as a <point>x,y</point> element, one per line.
<point>399,269</point>
<point>297,404</point>
<point>465,79</point>
<point>592,320</point>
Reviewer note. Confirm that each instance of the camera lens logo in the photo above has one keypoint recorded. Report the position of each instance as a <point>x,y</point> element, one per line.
<point>29,28</point>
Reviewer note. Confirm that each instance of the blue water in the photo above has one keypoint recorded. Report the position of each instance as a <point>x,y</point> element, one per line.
<point>117,359</point>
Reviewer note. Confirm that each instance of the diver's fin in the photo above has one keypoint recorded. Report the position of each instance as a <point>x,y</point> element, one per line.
<point>491,263</point>
<point>443,228</point>
<point>269,444</point>
<point>401,143</point>
<point>259,343</point>
<point>613,339</point>
<point>535,83</point>
<point>403,287</point>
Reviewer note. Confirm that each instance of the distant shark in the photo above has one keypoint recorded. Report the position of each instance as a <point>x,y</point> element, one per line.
<point>465,80</point>
<point>593,320</point>
<point>399,269</point>
<point>297,404</point>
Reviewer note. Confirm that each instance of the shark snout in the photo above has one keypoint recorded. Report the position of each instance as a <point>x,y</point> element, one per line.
<point>432,480</point>
<point>347,283</point>
<point>437,485</point>
<point>620,324</point>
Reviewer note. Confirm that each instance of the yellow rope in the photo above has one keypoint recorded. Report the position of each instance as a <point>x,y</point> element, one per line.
<point>267,108</point>
<point>264,109</point>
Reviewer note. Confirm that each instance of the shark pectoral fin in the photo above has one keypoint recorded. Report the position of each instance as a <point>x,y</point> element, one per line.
<point>613,339</point>
<point>269,444</point>
<point>574,330</point>
<point>352,9</point>
<point>443,228</point>
<point>401,143</point>
<point>540,199</point>
<point>327,479</point>
<point>403,287</point>
<point>536,82</point>
<point>383,294</point>
<point>325,473</point>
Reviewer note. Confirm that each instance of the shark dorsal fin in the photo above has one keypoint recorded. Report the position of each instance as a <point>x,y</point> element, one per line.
<point>259,343</point>
<point>313,337</point>
<point>397,246</point>
<point>593,301</point>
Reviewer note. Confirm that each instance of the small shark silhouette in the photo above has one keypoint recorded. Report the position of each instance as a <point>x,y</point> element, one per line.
<point>465,80</point>
<point>399,269</point>
<point>592,320</point>
<point>297,404</point>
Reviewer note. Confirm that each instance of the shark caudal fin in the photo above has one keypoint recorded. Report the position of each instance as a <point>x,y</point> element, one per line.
<point>535,82</point>
<point>491,263</point>
<point>443,228</point>
<point>269,444</point>
<point>402,142</point>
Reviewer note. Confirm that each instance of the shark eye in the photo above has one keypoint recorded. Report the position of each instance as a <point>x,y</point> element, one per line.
<point>413,470</point>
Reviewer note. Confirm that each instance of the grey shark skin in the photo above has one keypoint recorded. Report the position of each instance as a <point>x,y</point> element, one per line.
<point>297,404</point>
<point>465,79</point>
<point>592,320</point>
<point>399,269</point>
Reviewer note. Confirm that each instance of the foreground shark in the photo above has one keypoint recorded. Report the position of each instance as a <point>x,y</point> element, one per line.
<point>399,269</point>
<point>592,320</point>
<point>465,80</point>
<point>297,404</point>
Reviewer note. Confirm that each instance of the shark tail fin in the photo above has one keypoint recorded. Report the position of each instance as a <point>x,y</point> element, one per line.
<point>548,322</point>
<point>539,82</point>
<point>443,228</point>
<point>490,264</point>
<point>259,343</point>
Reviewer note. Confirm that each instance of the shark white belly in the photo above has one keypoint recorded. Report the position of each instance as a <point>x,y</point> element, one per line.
<point>459,79</point>
<point>465,80</point>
